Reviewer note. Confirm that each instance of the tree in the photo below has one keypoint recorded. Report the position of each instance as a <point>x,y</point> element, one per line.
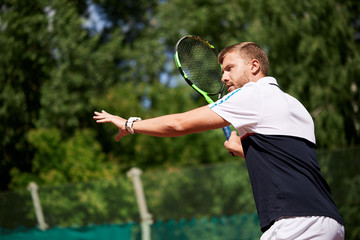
<point>58,161</point>
<point>45,82</point>
<point>24,67</point>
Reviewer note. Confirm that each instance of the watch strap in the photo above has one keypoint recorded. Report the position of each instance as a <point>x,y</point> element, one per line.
<point>129,123</point>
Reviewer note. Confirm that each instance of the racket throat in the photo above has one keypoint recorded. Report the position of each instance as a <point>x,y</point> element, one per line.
<point>204,94</point>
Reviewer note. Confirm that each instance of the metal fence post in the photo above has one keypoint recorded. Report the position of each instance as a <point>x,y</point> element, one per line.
<point>146,217</point>
<point>33,188</point>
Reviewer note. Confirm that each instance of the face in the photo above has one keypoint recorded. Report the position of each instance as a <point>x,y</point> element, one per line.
<point>235,71</point>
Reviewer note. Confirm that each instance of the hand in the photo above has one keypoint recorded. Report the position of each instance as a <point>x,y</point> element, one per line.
<point>233,145</point>
<point>104,117</point>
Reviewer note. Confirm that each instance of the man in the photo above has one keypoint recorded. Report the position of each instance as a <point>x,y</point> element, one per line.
<point>276,138</point>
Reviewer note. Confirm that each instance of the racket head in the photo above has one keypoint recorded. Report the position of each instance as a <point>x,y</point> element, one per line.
<point>196,60</point>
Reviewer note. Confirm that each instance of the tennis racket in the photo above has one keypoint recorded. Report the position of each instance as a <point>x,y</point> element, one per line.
<point>197,62</point>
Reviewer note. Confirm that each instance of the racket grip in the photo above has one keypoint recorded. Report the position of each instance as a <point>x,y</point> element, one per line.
<point>227,132</point>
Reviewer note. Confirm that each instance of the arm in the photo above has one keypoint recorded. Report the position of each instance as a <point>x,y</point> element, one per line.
<point>197,120</point>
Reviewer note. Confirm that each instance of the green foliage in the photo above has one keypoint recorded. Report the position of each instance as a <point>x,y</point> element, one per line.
<point>50,68</point>
<point>83,65</point>
<point>72,204</point>
<point>210,190</point>
<point>24,66</point>
<point>56,161</point>
<point>16,209</point>
<point>350,207</point>
<point>133,16</point>
<point>97,202</point>
<point>341,170</point>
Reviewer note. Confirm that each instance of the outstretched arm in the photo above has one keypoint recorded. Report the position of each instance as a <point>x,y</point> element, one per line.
<point>197,120</point>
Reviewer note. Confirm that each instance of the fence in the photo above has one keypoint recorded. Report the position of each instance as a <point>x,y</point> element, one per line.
<point>243,227</point>
<point>103,232</point>
<point>184,202</point>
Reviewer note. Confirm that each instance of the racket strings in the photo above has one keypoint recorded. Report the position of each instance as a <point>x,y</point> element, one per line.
<point>199,62</point>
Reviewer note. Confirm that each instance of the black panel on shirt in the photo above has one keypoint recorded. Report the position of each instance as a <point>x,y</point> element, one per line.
<point>286,178</point>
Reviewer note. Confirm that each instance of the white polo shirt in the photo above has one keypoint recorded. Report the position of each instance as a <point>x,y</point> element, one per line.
<point>261,107</point>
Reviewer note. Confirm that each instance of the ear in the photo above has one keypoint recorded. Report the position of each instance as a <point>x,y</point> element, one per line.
<point>255,66</point>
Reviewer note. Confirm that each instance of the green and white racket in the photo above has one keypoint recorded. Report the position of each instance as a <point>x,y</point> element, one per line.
<point>197,62</point>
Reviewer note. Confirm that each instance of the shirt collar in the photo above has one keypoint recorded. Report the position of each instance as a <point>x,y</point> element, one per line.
<point>267,80</point>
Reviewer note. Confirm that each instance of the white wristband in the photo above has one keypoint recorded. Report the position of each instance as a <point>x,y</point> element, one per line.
<point>129,123</point>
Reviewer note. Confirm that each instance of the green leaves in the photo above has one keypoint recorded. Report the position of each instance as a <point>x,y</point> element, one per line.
<point>58,161</point>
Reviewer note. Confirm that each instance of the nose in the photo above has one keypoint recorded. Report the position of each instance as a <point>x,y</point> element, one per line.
<point>224,77</point>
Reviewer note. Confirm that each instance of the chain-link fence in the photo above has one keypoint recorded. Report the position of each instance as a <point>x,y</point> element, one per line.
<point>214,195</point>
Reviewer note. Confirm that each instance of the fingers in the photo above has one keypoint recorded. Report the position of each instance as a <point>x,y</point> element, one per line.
<point>102,117</point>
<point>233,134</point>
<point>98,113</point>
<point>233,145</point>
<point>232,137</point>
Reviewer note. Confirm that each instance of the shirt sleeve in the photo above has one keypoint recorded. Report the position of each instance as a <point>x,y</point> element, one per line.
<point>241,108</point>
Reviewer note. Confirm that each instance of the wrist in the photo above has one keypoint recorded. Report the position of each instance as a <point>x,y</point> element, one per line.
<point>129,124</point>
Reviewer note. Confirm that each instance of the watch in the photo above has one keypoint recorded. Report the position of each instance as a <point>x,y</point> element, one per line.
<point>129,123</point>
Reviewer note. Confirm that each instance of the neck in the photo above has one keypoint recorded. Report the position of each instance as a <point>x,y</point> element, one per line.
<point>256,77</point>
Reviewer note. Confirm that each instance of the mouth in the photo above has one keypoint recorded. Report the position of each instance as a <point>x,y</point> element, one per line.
<point>228,86</point>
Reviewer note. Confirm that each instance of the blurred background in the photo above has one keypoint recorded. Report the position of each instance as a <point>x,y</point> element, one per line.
<point>61,60</point>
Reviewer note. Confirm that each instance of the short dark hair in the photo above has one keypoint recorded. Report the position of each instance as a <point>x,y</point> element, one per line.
<point>248,51</point>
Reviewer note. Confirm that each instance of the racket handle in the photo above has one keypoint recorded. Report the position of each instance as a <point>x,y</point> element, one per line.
<point>227,132</point>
